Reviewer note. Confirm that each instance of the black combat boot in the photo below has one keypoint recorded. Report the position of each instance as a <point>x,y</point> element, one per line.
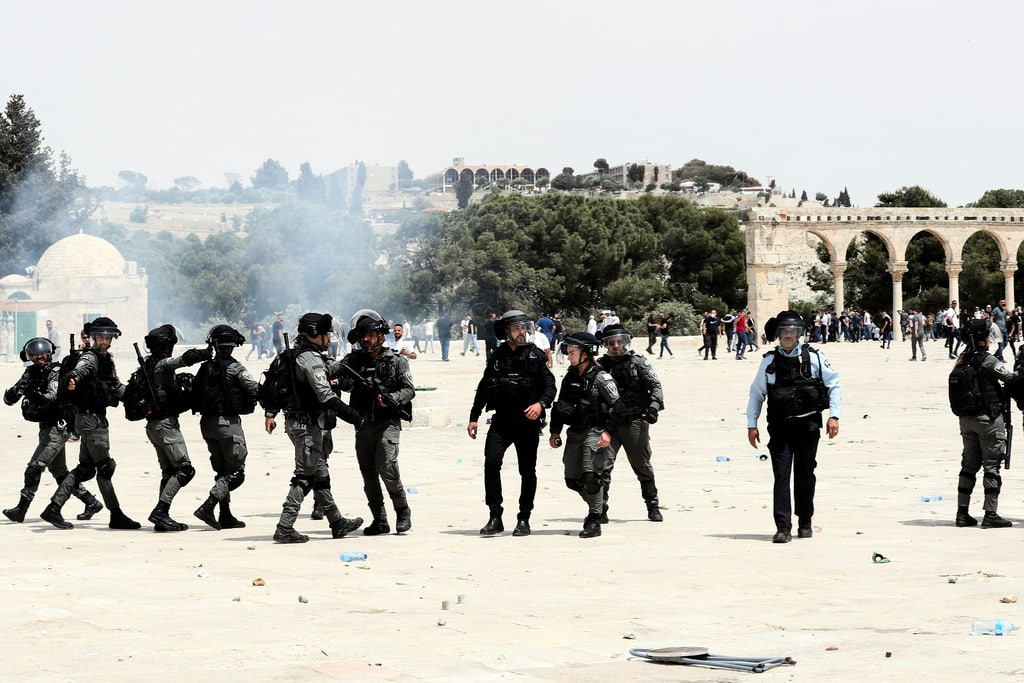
<point>345,526</point>
<point>591,527</point>
<point>379,525</point>
<point>963,518</point>
<point>522,528</point>
<point>17,513</point>
<point>992,520</point>
<point>228,520</point>
<point>493,526</point>
<point>403,520</point>
<point>317,513</point>
<point>92,506</point>
<point>205,512</point>
<point>119,520</point>
<point>161,519</point>
<point>52,515</point>
<point>290,535</point>
<point>653,513</point>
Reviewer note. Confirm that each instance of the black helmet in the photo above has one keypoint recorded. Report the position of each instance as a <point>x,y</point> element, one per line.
<point>224,335</point>
<point>975,330</point>
<point>315,324</point>
<point>507,318</point>
<point>103,327</point>
<point>365,320</point>
<point>37,346</point>
<point>163,337</point>
<point>615,339</point>
<point>583,340</point>
<point>783,319</point>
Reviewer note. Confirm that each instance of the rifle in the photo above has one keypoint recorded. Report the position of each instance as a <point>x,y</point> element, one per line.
<point>1008,421</point>
<point>150,390</point>
<point>375,387</point>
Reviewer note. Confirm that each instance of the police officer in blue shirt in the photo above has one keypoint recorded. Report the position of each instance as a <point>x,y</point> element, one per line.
<point>799,383</point>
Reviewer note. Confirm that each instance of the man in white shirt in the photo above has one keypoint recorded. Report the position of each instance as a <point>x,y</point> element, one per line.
<point>402,345</point>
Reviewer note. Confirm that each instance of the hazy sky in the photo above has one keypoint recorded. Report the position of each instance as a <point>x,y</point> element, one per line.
<point>819,95</point>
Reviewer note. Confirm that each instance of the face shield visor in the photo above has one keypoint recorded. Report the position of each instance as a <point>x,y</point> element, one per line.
<point>616,344</point>
<point>790,329</point>
<point>520,331</point>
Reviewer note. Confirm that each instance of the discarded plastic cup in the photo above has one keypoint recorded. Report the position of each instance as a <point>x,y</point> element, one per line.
<point>722,458</point>
<point>930,498</point>
<point>411,489</point>
<point>352,557</point>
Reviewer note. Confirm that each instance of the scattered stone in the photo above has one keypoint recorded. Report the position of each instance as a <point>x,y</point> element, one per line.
<point>1008,599</point>
<point>441,622</point>
<point>303,599</point>
<point>629,636</point>
<point>259,582</point>
<point>831,648</point>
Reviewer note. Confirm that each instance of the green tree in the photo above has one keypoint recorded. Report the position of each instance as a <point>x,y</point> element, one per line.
<point>310,187</point>
<point>1000,199</point>
<point>271,175</point>
<point>405,175</point>
<point>463,191</point>
<point>635,174</point>
<point>803,196</point>
<point>913,196</point>
<point>702,173</point>
<point>601,165</point>
<point>187,183</point>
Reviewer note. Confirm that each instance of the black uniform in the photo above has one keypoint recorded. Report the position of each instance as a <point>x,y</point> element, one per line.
<point>515,378</point>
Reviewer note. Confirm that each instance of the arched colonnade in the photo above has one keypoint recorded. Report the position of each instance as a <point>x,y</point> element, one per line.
<point>771,233</point>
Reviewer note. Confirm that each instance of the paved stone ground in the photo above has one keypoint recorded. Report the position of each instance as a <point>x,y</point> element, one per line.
<point>95,605</point>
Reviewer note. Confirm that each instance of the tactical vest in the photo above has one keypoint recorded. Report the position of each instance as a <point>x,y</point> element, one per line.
<point>308,401</point>
<point>795,390</point>
<point>579,403</point>
<point>38,382</point>
<point>99,391</point>
<point>216,395</point>
<point>514,384</point>
<point>382,370</point>
<point>634,394</point>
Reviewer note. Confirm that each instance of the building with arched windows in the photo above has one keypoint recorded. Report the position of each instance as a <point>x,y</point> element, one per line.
<point>481,175</point>
<point>77,279</point>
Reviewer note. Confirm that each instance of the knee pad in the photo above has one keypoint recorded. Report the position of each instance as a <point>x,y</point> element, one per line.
<point>235,479</point>
<point>84,471</point>
<point>106,468</point>
<point>321,484</point>
<point>185,474</point>
<point>305,484</point>
<point>33,475</point>
<point>574,484</point>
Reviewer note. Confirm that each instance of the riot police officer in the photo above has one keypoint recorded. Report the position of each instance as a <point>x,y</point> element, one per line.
<point>309,428</point>
<point>799,383</point>
<point>162,427</point>
<point>977,398</point>
<point>586,404</point>
<point>642,399</point>
<point>383,390</point>
<point>223,390</point>
<point>518,387</point>
<point>93,386</point>
<point>37,389</point>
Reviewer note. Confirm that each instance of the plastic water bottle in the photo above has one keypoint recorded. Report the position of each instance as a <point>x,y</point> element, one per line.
<point>992,627</point>
<point>930,498</point>
<point>722,458</point>
<point>411,489</point>
<point>352,557</point>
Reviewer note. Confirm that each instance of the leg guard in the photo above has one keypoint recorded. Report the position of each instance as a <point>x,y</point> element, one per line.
<point>84,471</point>
<point>104,469</point>
<point>235,479</point>
<point>33,475</point>
<point>185,474</point>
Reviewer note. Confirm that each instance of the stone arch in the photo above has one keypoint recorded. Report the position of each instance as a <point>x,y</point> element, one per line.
<point>771,229</point>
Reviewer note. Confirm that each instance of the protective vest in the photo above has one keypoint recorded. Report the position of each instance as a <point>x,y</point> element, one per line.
<point>634,394</point>
<point>795,390</point>
<point>308,401</point>
<point>381,373</point>
<point>579,402</point>
<point>218,396</point>
<point>37,381</point>
<point>513,385</point>
<point>973,391</point>
<point>99,391</point>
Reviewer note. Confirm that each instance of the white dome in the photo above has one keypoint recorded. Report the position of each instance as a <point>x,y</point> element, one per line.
<point>80,255</point>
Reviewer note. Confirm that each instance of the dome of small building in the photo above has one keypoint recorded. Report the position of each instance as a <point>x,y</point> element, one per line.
<point>80,255</point>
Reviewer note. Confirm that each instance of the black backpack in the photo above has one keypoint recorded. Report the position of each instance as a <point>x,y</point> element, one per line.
<point>278,389</point>
<point>966,396</point>
<point>138,396</point>
<point>211,395</point>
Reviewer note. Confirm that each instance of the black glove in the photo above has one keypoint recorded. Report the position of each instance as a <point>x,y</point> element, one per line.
<point>36,398</point>
<point>348,413</point>
<point>650,416</point>
<point>591,483</point>
<point>11,395</point>
<point>193,356</point>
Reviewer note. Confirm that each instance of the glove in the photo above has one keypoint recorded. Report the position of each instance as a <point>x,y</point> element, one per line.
<point>591,483</point>
<point>650,416</point>
<point>36,398</point>
<point>193,356</point>
<point>11,396</point>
